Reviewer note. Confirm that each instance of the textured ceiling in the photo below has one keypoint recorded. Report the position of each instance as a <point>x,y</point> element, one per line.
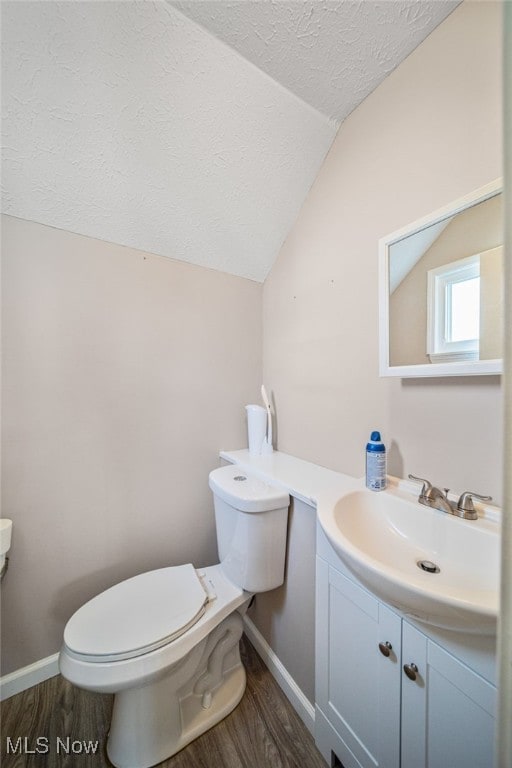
<point>331,53</point>
<point>131,123</point>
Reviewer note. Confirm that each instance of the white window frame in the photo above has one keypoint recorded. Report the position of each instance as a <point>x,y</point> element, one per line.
<point>439,349</point>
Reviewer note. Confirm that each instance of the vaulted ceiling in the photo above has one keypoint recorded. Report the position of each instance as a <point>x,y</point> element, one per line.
<point>189,129</point>
<point>330,53</point>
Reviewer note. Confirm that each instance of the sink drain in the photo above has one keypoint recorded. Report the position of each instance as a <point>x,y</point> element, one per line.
<point>428,566</point>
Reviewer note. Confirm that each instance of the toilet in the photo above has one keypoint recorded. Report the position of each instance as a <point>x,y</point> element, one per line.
<point>166,642</point>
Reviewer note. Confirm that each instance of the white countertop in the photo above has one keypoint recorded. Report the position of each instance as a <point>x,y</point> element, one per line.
<point>302,479</point>
<point>317,485</point>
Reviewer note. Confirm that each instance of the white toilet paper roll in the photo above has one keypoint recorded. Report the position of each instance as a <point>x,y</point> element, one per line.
<point>256,428</point>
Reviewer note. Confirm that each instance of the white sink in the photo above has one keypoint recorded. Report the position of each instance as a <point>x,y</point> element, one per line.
<point>5,539</point>
<point>381,537</point>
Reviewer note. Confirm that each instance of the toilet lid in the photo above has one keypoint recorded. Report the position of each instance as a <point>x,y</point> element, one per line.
<point>138,615</point>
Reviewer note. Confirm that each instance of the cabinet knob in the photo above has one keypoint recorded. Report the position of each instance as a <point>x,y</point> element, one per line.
<point>385,648</point>
<point>411,670</point>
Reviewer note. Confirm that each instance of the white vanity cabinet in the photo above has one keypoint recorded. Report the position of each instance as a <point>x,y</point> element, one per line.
<point>357,687</point>
<point>369,713</point>
<point>447,711</point>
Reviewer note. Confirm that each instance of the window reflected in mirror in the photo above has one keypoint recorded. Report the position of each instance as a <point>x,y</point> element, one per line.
<point>445,289</point>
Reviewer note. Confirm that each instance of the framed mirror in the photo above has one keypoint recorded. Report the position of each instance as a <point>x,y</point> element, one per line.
<point>441,291</point>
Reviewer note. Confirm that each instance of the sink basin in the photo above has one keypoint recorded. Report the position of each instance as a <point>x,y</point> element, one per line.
<point>5,539</point>
<point>381,537</point>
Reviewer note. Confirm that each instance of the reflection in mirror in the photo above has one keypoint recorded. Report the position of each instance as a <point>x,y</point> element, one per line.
<point>443,291</point>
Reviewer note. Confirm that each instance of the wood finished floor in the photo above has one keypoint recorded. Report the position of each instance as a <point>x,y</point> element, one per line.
<point>264,731</point>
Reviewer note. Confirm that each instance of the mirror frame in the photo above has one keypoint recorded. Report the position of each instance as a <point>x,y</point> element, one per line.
<point>467,368</point>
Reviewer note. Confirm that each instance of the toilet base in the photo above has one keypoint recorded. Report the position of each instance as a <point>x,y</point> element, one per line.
<point>153,722</point>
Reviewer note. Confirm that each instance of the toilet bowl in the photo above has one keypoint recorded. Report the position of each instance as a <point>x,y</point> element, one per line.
<point>166,642</point>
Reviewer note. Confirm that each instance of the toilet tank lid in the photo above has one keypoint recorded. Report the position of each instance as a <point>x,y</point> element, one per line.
<point>246,492</point>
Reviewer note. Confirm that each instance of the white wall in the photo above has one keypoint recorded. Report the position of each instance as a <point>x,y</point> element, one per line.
<point>428,135</point>
<point>124,373</point>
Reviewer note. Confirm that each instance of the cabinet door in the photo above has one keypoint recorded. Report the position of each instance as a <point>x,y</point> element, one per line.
<point>358,687</point>
<point>447,711</point>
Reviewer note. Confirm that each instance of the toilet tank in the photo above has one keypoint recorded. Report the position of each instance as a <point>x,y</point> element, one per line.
<point>251,517</point>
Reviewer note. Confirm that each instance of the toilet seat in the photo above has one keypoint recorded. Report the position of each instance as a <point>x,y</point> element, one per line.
<point>138,615</point>
<point>104,675</point>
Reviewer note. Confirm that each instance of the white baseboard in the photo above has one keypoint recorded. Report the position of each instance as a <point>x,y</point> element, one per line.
<point>26,677</point>
<point>294,694</point>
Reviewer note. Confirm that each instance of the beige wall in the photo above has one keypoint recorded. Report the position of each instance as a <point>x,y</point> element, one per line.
<point>428,135</point>
<point>123,375</point>
<point>285,616</point>
<point>492,296</point>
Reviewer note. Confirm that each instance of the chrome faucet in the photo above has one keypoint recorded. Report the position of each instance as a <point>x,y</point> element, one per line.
<point>435,498</point>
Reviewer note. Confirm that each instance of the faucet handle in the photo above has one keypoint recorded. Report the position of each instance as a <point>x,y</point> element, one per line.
<point>427,485</point>
<point>465,502</point>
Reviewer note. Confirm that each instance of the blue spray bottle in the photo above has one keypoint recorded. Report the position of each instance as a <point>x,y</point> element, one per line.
<point>376,479</point>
